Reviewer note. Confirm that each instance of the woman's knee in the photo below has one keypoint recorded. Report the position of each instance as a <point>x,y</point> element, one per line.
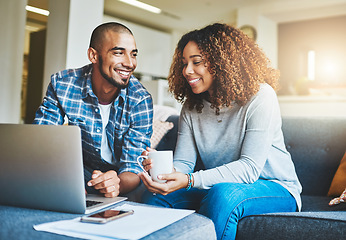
<point>227,192</point>
<point>225,196</point>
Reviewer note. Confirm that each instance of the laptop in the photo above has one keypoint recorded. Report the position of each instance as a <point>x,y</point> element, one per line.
<point>41,167</point>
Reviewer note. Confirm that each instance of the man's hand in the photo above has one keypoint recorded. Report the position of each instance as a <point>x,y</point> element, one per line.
<point>107,183</point>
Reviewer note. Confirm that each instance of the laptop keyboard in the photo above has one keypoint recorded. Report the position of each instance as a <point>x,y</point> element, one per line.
<point>90,203</point>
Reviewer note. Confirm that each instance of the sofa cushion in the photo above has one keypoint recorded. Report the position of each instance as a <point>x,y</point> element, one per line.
<point>339,181</point>
<point>163,112</point>
<point>320,203</point>
<point>317,219</point>
<point>159,130</point>
<point>316,146</point>
<point>297,225</point>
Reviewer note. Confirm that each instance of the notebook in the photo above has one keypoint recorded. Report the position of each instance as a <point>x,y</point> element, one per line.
<point>41,167</point>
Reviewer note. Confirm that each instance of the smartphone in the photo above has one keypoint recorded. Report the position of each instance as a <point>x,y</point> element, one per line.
<point>106,216</point>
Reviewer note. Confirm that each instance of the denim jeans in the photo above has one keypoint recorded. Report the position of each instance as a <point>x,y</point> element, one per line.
<point>226,203</point>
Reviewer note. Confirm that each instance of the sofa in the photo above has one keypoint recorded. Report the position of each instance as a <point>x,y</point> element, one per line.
<point>317,146</point>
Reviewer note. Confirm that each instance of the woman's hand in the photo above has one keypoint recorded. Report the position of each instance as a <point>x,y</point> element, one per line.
<point>175,181</point>
<point>146,163</point>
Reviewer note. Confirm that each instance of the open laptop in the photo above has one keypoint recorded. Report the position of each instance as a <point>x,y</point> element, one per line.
<point>41,167</point>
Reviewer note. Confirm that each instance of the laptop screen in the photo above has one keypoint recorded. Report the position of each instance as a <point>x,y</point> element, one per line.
<point>42,167</point>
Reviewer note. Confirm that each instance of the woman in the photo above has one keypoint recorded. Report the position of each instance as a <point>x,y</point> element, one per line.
<point>231,123</point>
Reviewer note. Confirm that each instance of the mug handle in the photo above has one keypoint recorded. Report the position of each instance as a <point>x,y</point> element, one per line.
<point>139,163</point>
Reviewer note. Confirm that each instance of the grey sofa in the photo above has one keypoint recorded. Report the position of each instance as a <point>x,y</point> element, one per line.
<point>316,146</point>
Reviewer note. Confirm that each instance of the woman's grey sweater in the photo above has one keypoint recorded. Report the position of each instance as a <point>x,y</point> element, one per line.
<point>241,145</point>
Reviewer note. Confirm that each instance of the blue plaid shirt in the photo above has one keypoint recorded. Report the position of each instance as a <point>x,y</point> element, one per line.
<point>129,129</point>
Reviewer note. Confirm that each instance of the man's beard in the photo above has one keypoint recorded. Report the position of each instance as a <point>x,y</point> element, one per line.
<point>118,84</point>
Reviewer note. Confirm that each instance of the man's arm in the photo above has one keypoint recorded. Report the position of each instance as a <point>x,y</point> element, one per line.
<point>135,141</point>
<point>49,112</point>
<point>128,182</point>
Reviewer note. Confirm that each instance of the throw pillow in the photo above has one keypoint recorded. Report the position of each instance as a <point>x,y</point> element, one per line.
<point>159,130</point>
<point>163,112</point>
<point>339,181</point>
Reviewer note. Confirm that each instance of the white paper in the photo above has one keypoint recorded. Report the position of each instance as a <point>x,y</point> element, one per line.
<point>144,221</point>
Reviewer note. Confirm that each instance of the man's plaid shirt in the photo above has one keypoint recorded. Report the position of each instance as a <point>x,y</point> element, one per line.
<point>129,129</point>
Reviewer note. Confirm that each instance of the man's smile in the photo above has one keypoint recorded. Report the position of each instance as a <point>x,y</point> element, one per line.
<point>123,73</point>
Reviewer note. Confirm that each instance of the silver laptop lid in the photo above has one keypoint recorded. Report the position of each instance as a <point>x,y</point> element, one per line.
<point>41,167</point>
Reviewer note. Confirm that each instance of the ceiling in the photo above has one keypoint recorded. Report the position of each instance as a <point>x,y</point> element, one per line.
<point>185,15</point>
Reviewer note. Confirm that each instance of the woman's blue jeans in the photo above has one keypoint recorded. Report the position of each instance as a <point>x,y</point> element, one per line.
<point>226,203</point>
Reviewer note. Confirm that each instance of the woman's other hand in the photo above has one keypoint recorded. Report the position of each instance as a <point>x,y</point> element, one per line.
<point>175,181</point>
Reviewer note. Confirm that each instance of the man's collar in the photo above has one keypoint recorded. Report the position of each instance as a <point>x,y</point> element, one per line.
<point>88,87</point>
<point>87,90</point>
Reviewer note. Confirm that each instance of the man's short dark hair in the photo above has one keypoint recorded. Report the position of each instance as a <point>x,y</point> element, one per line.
<point>99,32</point>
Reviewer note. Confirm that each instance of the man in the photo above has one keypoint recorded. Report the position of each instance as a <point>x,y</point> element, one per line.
<point>111,107</point>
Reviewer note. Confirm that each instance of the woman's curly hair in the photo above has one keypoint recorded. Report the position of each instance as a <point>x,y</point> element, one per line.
<point>237,64</point>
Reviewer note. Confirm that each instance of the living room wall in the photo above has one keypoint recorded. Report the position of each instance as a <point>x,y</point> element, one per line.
<point>327,37</point>
<point>325,96</point>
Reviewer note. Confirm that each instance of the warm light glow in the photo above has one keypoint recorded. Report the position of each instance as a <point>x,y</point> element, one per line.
<point>37,10</point>
<point>330,68</point>
<point>142,5</point>
<point>311,65</point>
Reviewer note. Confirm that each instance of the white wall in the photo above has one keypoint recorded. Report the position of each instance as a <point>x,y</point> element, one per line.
<point>266,30</point>
<point>325,37</point>
<point>268,39</point>
<point>12,18</point>
<point>80,27</point>
<point>69,28</point>
<point>154,48</point>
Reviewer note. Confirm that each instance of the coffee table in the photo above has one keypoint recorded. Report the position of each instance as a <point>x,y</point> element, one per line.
<point>17,223</point>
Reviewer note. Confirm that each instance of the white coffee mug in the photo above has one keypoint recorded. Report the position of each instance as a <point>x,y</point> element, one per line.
<point>162,163</point>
